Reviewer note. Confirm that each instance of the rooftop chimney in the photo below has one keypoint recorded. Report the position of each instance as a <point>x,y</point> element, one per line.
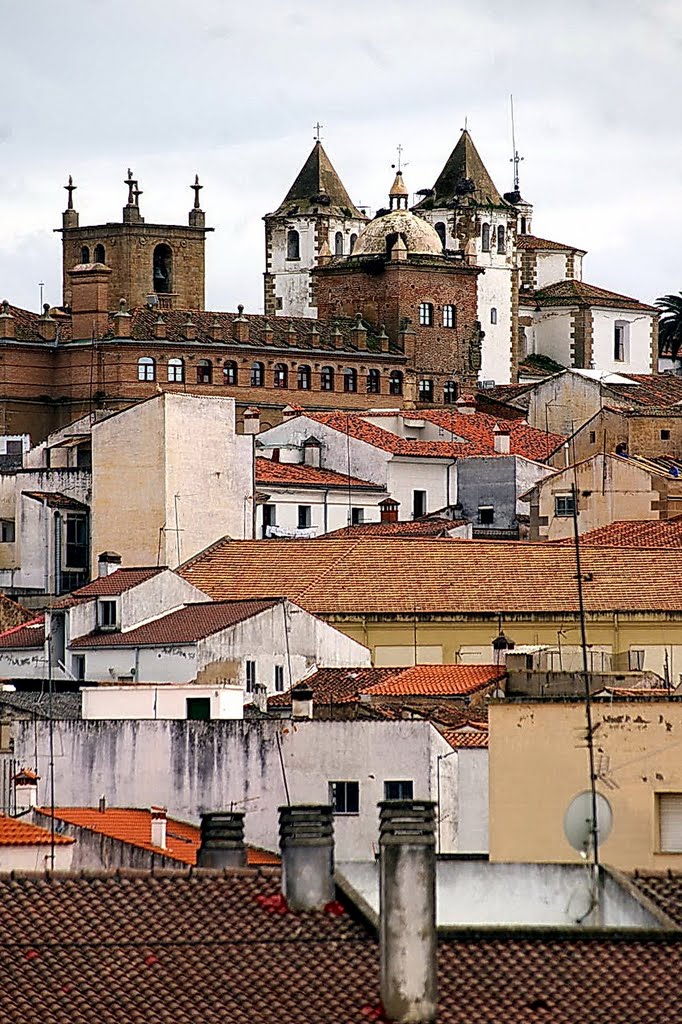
<point>159,827</point>
<point>501,439</point>
<point>306,838</point>
<point>222,840</point>
<point>288,413</point>
<point>122,320</point>
<point>7,324</point>
<point>301,701</point>
<point>312,452</point>
<point>466,404</point>
<point>89,301</point>
<point>26,789</point>
<point>160,330</point>
<point>252,420</point>
<point>108,562</point>
<point>189,329</point>
<point>389,510</point>
<point>240,326</point>
<point>409,977</point>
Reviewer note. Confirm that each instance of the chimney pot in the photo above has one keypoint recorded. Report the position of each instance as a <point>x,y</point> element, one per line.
<point>108,562</point>
<point>306,839</point>
<point>158,837</point>
<point>301,701</point>
<point>252,420</point>
<point>389,510</point>
<point>102,804</point>
<point>501,440</point>
<point>222,840</point>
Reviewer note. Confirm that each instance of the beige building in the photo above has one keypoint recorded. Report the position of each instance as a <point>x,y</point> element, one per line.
<point>539,762</point>
<point>652,433</point>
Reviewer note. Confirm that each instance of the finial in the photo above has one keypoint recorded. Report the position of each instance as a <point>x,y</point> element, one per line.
<point>137,192</point>
<point>197,189</point>
<point>131,183</point>
<point>70,188</point>
<point>122,305</point>
<point>515,159</point>
<point>240,309</point>
<point>317,128</point>
<point>5,307</point>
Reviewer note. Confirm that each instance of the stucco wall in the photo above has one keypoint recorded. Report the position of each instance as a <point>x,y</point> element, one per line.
<point>329,509</point>
<point>158,702</point>
<point>638,348</point>
<point>36,858</point>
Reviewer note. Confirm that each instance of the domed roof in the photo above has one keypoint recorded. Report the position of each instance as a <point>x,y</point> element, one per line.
<point>378,236</point>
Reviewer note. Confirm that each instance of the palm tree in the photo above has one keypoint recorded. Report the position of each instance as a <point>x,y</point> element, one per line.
<point>670,326</point>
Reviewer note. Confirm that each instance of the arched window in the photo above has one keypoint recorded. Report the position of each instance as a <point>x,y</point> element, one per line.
<point>449,316</point>
<point>440,230</point>
<point>257,375</point>
<point>485,237</point>
<point>373,382</point>
<point>353,240</point>
<point>449,392</point>
<point>293,245</point>
<point>493,315</point>
<point>176,370</point>
<point>163,269</point>
<point>99,254</point>
<point>230,373</point>
<point>395,382</point>
<point>425,390</point>
<point>303,378</point>
<point>327,378</point>
<point>85,254</point>
<point>501,247</point>
<point>338,244</point>
<point>350,379</point>
<point>146,368</point>
<point>204,371</point>
<point>280,375</point>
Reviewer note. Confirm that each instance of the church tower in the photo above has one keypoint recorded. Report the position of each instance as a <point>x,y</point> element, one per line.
<point>161,264</point>
<point>316,214</point>
<point>472,218</point>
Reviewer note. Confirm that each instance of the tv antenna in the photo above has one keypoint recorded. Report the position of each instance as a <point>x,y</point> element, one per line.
<point>515,159</point>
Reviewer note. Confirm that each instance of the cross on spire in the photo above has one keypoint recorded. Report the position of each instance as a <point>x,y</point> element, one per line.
<point>132,184</point>
<point>317,128</point>
<point>70,188</point>
<point>197,189</point>
<point>515,159</point>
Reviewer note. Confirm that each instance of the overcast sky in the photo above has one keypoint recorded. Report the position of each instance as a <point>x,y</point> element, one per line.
<point>232,91</point>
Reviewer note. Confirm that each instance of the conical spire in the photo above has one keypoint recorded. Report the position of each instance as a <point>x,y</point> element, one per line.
<point>317,185</point>
<point>464,179</point>
<point>398,195</point>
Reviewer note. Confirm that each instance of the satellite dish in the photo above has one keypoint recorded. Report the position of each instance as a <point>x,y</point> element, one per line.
<point>152,300</point>
<point>578,821</point>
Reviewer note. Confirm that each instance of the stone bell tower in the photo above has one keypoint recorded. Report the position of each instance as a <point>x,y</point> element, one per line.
<point>162,264</point>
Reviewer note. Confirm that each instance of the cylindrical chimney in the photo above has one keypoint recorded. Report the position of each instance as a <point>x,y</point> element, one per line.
<point>306,838</point>
<point>408,948</point>
<point>222,840</point>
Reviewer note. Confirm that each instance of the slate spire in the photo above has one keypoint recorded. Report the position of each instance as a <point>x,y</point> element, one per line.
<point>464,179</point>
<point>317,186</point>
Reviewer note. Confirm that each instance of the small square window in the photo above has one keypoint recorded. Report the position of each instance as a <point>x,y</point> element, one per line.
<point>636,660</point>
<point>399,790</point>
<point>250,676</point>
<point>669,822</point>
<point>198,709</point>
<point>7,531</point>
<point>486,515</point>
<point>564,505</point>
<point>107,612</point>
<point>418,504</point>
<point>665,435</point>
<point>279,302</point>
<point>304,517</point>
<point>78,666</point>
<point>279,678</point>
<point>345,797</point>
<point>357,516</point>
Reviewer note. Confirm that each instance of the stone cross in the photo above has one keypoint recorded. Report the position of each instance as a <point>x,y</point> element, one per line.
<point>131,183</point>
<point>197,189</point>
<point>317,128</point>
<point>70,188</point>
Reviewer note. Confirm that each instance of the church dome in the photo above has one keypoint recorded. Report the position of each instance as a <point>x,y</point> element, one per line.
<point>379,236</point>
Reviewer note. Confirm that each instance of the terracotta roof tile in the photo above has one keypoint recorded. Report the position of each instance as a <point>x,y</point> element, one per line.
<point>533,242</point>
<point>662,888</point>
<point>432,527</point>
<point>269,472</point>
<point>337,685</point>
<point>29,634</point>
<point>656,533</point>
<point>439,680</point>
<point>571,292</point>
<point>476,739</point>
<point>15,832</point>
<point>649,389</point>
<point>115,583</point>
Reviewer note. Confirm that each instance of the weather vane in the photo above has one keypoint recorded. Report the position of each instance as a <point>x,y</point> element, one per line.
<point>399,166</point>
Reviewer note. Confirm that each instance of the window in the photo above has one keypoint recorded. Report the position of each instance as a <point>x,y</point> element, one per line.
<point>425,390</point>
<point>250,676</point>
<point>99,255</point>
<point>665,435</point>
<point>257,375</point>
<point>198,709</point>
<point>501,246</point>
<point>593,437</point>
<point>373,382</point>
<point>493,315</point>
<point>523,225</point>
<point>78,666</point>
<point>621,341</point>
<point>440,231</point>
<point>107,613</point>
<point>327,378</point>
<point>449,392</point>
<point>486,515</point>
<point>670,822</point>
<point>395,383</point>
<point>204,371</point>
<point>636,660</point>
<point>162,269</point>
<point>279,302</point>
<point>176,370</point>
<point>279,678</point>
<point>350,380</point>
<point>353,240</point>
<point>357,516</point>
<point>345,797</point>
<point>426,314</point>
<point>293,246</point>
<point>304,517</point>
<point>7,531</point>
<point>76,548</point>
<point>485,237</point>
<point>418,504</point>
<point>14,447</point>
<point>230,373</point>
<point>303,377</point>
<point>564,505</point>
<point>269,517</point>
<point>280,375</point>
<point>85,254</point>
<point>146,368</point>
<point>449,316</point>
<point>338,244</point>
<point>400,790</point>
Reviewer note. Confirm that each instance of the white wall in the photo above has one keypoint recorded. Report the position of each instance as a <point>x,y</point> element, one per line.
<point>329,508</point>
<point>472,790</point>
<point>36,857</point>
<point>638,356</point>
<point>551,267</point>
<point>552,333</point>
<point>406,475</point>
<point>494,291</point>
<point>366,461</point>
<point>158,702</point>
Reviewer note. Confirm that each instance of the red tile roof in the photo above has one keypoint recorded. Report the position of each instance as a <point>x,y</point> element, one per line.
<point>439,680</point>
<point>654,389</point>
<point>184,626</point>
<point>390,575</point>
<point>15,832</point>
<point>533,242</point>
<point>269,472</point>
<point>29,634</point>
<point>116,583</point>
<point>432,527</point>
<point>470,738</point>
<point>571,293</point>
<point>656,533</point>
<point>337,685</point>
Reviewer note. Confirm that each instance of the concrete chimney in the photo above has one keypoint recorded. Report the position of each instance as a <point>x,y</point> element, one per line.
<point>108,562</point>
<point>466,405</point>
<point>222,840</point>
<point>289,413</point>
<point>301,701</point>
<point>306,839</point>
<point>158,837</point>
<point>26,789</point>
<point>252,420</point>
<point>312,452</point>
<point>408,948</point>
<point>501,440</point>
<point>389,510</point>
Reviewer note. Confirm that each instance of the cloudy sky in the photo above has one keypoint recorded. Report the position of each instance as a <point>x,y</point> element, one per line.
<point>231,91</point>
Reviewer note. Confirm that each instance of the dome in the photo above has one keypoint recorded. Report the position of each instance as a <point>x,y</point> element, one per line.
<point>377,237</point>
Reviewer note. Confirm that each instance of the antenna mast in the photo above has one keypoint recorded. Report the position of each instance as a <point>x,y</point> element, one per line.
<point>516,159</point>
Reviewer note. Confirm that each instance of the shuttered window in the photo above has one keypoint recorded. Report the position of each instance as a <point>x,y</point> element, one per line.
<point>670,822</point>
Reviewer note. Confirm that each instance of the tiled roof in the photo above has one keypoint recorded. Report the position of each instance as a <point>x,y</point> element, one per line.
<point>116,583</point>
<point>26,325</point>
<point>662,888</point>
<point>476,739</point>
<point>218,947</point>
<point>390,575</point>
<point>440,680</point>
<point>475,431</point>
<point>432,527</point>
<point>656,533</point>
<point>29,634</point>
<point>15,832</point>
<point>184,626</point>
<point>54,499</point>
<point>533,242</point>
<point>337,685</point>
<point>133,826</point>
<point>657,389</point>
<point>269,472</point>
<point>29,704</point>
<point>464,180</point>
<point>317,178</point>
<point>572,292</point>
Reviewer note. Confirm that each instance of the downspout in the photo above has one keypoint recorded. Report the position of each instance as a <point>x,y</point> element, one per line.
<point>448,495</point>
<point>46,529</point>
<point>325,514</point>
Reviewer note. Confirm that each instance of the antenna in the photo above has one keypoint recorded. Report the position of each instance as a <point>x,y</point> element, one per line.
<point>516,159</point>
